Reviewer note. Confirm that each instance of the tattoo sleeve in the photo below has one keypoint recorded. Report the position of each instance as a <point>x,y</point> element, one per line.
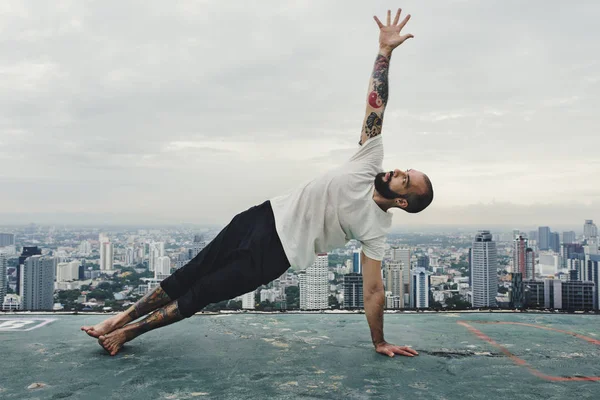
<point>377,99</point>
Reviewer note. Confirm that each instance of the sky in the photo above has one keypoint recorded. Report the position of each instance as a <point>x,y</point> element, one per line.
<point>192,111</point>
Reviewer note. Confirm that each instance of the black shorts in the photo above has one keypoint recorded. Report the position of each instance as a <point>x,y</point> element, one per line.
<point>246,254</point>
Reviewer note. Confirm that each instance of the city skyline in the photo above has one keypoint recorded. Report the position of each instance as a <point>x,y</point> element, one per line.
<point>174,117</point>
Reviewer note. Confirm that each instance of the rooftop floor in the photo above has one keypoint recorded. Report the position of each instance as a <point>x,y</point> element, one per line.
<point>319,356</point>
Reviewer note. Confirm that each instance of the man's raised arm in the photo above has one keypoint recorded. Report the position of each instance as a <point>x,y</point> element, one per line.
<point>389,39</point>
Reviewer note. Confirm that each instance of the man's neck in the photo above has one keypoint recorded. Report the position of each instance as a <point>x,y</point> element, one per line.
<point>382,202</point>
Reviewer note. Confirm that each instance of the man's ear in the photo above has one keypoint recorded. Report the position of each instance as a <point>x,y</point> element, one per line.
<point>402,203</point>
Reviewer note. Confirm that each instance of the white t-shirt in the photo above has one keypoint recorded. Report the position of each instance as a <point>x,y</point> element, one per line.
<point>327,212</point>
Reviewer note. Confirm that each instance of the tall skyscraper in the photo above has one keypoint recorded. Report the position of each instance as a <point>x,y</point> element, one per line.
<point>353,291</point>
<point>248,301</point>
<point>402,254</point>
<point>519,248</point>
<point>155,250</point>
<point>7,239</point>
<point>197,246</point>
<point>394,281</point>
<point>590,271</point>
<point>28,251</point>
<point>37,283</point>
<point>163,267</point>
<point>484,261</point>
<point>569,237</point>
<point>554,242</point>
<point>67,271</point>
<point>3,266</point>
<point>590,230</point>
<point>85,248</point>
<point>420,288</point>
<point>544,237</point>
<point>568,251</point>
<point>529,263</point>
<point>315,285</point>
<point>106,256</point>
<point>356,262</point>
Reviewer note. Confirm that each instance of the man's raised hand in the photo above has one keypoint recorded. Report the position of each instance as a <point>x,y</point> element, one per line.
<point>389,34</point>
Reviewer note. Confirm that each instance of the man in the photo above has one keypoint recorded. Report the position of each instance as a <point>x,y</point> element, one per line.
<point>259,244</point>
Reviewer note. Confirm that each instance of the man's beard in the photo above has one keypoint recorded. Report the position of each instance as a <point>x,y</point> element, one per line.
<point>383,188</point>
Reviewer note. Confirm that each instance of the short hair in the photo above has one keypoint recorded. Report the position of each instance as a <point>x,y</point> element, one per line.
<point>419,202</point>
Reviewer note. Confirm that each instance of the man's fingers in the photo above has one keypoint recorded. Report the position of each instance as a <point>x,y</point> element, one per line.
<point>389,17</point>
<point>397,16</point>
<point>404,37</point>
<point>378,21</point>
<point>404,21</point>
<point>412,351</point>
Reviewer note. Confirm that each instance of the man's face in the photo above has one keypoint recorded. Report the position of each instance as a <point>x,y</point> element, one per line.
<point>394,184</point>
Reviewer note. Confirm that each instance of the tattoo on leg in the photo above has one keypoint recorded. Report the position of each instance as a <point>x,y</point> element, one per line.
<point>159,318</point>
<point>150,302</point>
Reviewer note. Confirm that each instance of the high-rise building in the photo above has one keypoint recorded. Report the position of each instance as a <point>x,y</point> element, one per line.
<point>484,273</point>
<point>519,249</point>
<point>517,298</point>
<point>356,262</point>
<point>162,267</point>
<point>197,246</point>
<point>569,251</point>
<point>28,251</point>
<point>85,248</point>
<point>67,271</point>
<point>420,288</point>
<point>529,263</point>
<point>569,237</point>
<point>155,250</point>
<point>315,285</point>
<point>130,256</point>
<point>402,254</point>
<point>106,256</point>
<point>248,301</point>
<point>591,272</point>
<point>3,266</point>
<point>554,242</point>
<point>560,295</point>
<point>37,283</point>
<point>394,282</point>
<point>590,230</point>
<point>423,262</point>
<point>544,237</point>
<point>353,291</point>
<point>7,239</point>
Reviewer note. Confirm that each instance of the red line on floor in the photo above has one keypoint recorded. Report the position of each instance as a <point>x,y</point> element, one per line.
<point>523,363</point>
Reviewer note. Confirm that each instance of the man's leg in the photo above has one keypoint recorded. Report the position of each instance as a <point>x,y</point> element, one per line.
<point>167,315</point>
<point>150,302</point>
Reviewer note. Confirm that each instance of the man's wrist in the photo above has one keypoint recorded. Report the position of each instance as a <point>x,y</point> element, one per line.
<point>378,343</point>
<point>385,51</point>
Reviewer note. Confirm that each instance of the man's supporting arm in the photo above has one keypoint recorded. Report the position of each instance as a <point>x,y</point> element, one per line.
<point>374,297</point>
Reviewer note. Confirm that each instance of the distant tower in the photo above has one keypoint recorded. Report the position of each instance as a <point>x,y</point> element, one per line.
<point>27,252</point>
<point>402,254</point>
<point>163,267</point>
<point>590,230</point>
<point>544,237</point>
<point>420,287</point>
<point>356,265</point>
<point>155,250</point>
<point>519,247</point>
<point>197,246</point>
<point>316,285</point>
<point>248,301</point>
<point>569,237</point>
<point>106,256</point>
<point>3,266</point>
<point>37,283</point>
<point>353,291</point>
<point>7,239</point>
<point>529,264</point>
<point>394,281</point>
<point>555,242</point>
<point>484,261</point>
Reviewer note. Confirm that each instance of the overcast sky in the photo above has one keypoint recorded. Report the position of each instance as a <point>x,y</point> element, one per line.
<point>192,111</point>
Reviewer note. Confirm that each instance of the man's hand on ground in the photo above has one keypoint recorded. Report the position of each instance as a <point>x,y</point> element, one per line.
<point>389,34</point>
<point>389,349</point>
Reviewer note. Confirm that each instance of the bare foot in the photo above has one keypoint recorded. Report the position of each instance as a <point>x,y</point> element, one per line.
<point>104,327</point>
<point>113,342</point>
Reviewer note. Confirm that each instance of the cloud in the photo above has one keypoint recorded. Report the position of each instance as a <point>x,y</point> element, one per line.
<point>173,101</point>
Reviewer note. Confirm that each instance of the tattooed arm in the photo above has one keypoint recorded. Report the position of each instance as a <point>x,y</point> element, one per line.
<point>389,39</point>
